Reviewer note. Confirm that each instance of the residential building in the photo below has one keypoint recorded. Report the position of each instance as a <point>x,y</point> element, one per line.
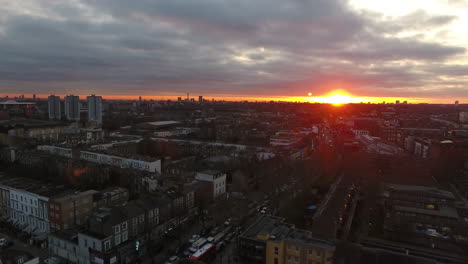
<point>64,244</point>
<point>69,210</point>
<point>54,107</point>
<point>95,109</point>
<point>120,234</point>
<point>271,240</point>
<point>109,197</point>
<point>139,163</point>
<point>72,107</point>
<point>217,180</point>
<point>28,203</point>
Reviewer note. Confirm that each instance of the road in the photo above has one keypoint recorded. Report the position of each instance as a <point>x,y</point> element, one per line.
<point>21,246</point>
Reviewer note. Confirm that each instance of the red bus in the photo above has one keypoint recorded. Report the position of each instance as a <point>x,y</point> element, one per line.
<point>204,253</point>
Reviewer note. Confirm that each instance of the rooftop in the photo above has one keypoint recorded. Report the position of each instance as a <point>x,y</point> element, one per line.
<point>31,185</point>
<point>268,227</point>
<point>418,188</point>
<point>162,123</point>
<point>444,211</point>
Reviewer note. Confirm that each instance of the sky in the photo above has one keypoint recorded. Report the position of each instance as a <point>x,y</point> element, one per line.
<point>264,48</point>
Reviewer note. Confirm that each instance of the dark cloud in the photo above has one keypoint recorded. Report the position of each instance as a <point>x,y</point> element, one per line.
<point>272,47</point>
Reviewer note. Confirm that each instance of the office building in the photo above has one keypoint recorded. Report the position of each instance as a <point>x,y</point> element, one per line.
<point>54,108</point>
<point>72,107</point>
<point>200,99</point>
<point>95,109</point>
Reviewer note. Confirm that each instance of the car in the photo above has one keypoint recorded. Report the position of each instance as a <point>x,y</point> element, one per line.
<point>194,238</point>
<point>186,253</point>
<point>169,231</point>
<point>228,221</point>
<point>52,260</point>
<point>4,243</point>
<point>172,260</point>
<point>220,245</point>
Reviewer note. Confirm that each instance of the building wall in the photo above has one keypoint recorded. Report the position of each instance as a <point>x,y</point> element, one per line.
<point>95,109</point>
<point>72,108</point>
<point>29,209</point>
<point>275,253</point>
<point>282,252</point>
<point>218,182</point>
<point>75,210</point>
<point>64,248</point>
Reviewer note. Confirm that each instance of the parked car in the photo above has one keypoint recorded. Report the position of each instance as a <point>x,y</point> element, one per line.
<point>172,260</point>
<point>194,238</point>
<point>52,260</point>
<point>4,243</point>
<point>228,221</point>
<point>186,253</point>
<point>220,245</point>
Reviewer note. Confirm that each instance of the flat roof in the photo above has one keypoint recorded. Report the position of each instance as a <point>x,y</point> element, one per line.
<point>419,188</point>
<point>31,185</point>
<point>162,123</point>
<point>444,211</point>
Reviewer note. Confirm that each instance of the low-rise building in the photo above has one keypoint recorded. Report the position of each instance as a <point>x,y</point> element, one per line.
<point>28,203</point>
<point>217,180</point>
<point>68,210</point>
<point>271,240</point>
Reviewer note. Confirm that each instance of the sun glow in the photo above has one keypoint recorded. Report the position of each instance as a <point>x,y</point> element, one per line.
<point>337,98</point>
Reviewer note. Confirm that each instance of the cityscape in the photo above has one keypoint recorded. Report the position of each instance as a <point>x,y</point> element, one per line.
<point>234,132</point>
<point>180,181</point>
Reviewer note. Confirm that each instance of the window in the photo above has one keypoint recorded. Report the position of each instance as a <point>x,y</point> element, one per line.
<point>276,251</point>
<point>117,239</point>
<point>124,225</point>
<point>276,261</point>
<point>124,236</point>
<point>289,258</point>
<point>117,229</point>
<point>85,242</point>
<point>319,253</point>
<point>107,244</point>
<point>311,251</point>
<point>297,249</point>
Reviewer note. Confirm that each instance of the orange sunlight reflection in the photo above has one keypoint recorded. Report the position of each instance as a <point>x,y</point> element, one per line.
<point>338,97</point>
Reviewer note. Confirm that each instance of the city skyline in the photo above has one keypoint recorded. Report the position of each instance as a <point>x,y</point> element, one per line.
<point>414,50</point>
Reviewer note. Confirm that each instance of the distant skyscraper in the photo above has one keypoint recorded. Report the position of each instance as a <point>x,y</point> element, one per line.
<point>95,109</point>
<point>405,102</point>
<point>456,102</point>
<point>72,107</point>
<point>397,101</point>
<point>200,98</point>
<point>54,108</point>
<point>179,99</point>
<point>34,97</point>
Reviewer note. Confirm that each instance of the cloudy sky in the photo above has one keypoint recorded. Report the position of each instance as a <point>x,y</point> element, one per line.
<point>264,48</point>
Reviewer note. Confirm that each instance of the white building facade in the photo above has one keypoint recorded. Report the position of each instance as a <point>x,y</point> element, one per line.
<point>218,179</point>
<point>28,211</point>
